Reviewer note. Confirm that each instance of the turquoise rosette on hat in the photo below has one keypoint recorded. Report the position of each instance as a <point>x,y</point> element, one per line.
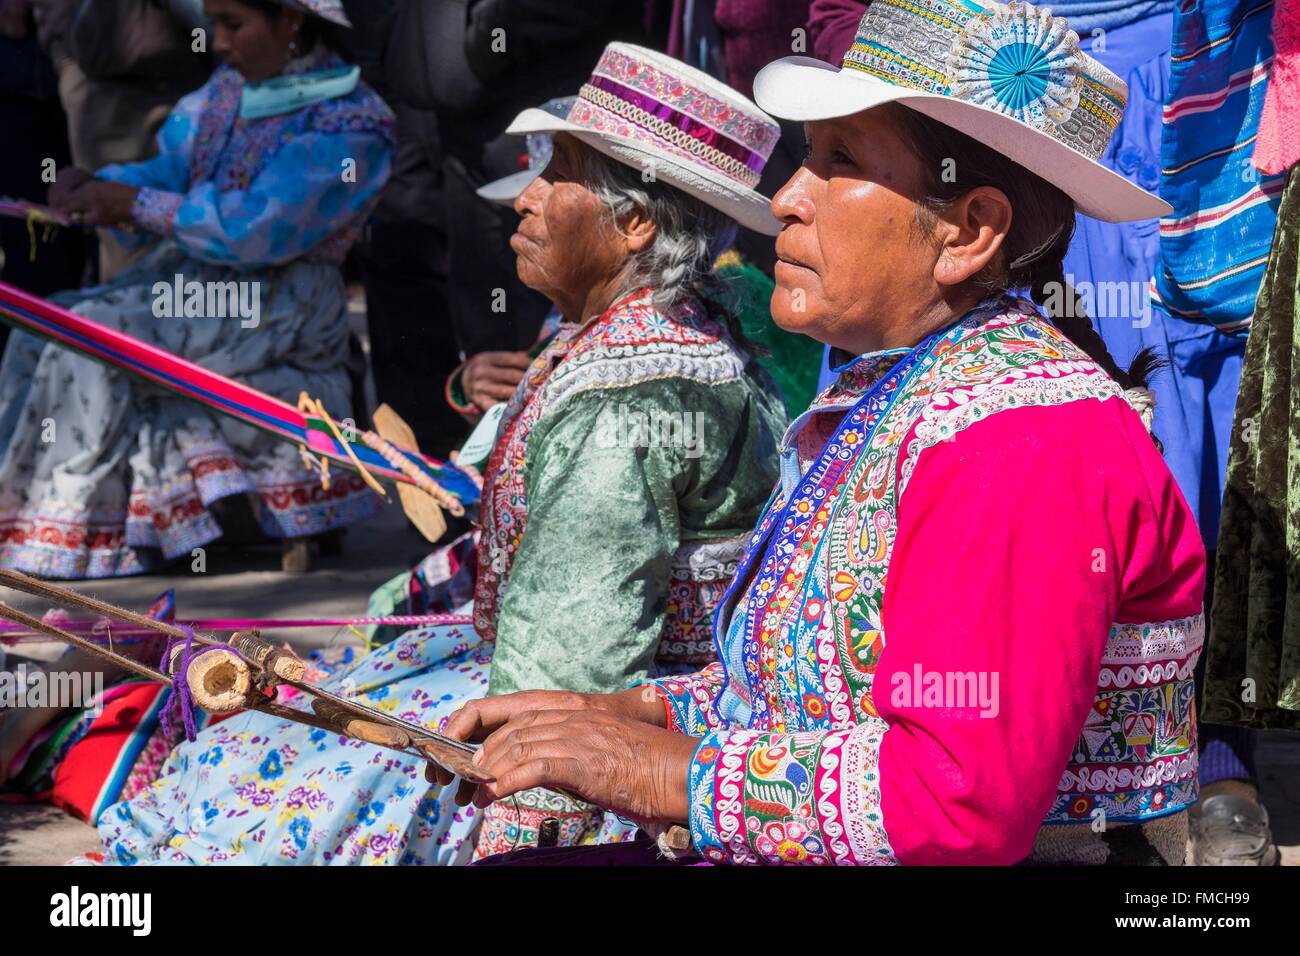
<point>1018,60</point>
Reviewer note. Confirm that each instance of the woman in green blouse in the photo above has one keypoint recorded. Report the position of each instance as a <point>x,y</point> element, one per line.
<point>628,469</point>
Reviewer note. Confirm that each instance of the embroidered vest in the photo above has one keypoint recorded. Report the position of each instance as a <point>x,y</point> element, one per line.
<point>801,653</point>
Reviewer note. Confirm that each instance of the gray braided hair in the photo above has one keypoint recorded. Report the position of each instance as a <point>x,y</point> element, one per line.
<point>689,234</point>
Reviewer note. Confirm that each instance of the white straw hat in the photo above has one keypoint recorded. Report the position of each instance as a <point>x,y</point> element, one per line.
<point>669,120</point>
<point>1009,75</point>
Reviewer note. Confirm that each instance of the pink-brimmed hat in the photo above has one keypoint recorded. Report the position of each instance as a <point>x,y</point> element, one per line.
<point>686,128</point>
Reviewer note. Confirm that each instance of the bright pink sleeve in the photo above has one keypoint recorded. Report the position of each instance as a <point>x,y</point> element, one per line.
<point>1019,543</point>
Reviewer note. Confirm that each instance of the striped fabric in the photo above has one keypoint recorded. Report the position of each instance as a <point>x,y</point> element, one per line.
<point>39,317</point>
<point>22,209</point>
<point>82,761</point>
<point>91,776</point>
<point>1214,246</point>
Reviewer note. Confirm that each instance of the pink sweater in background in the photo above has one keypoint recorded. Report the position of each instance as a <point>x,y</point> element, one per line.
<point>756,32</point>
<point>1277,145</point>
<point>833,24</point>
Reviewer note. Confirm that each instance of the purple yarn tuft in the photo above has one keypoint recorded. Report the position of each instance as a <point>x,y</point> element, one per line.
<point>181,698</point>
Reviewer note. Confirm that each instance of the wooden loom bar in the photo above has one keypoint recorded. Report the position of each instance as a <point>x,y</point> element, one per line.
<point>28,585</point>
<point>36,624</point>
<point>350,718</point>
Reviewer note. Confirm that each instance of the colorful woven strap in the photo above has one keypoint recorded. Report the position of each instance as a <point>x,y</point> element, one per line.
<point>39,317</point>
<point>22,209</point>
<point>96,630</point>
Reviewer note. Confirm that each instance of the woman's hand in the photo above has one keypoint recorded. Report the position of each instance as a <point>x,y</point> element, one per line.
<point>100,203</point>
<point>479,719</point>
<point>604,757</point>
<point>492,377</point>
<point>66,182</point>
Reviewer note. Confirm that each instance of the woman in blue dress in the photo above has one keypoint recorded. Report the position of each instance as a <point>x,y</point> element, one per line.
<point>263,179</point>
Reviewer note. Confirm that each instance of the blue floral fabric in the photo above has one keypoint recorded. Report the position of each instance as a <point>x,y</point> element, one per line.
<point>254,789</point>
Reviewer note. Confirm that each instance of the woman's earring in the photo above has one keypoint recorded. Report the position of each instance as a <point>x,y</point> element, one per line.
<point>292,52</point>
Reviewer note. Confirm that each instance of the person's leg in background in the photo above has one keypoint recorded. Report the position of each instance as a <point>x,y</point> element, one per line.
<point>37,260</point>
<point>1229,825</point>
<point>413,347</point>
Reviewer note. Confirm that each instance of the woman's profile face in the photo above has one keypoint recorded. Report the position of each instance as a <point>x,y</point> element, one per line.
<point>248,40</point>
<point>565,241</point>
<point>850,255</point>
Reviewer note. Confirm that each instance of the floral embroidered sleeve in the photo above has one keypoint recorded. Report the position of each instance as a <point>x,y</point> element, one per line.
<point>995,622</point>
<point>689,700</point>
<point>314,186</point>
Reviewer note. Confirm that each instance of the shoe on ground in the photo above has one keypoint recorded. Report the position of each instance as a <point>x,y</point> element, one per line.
<point>1230,830</point>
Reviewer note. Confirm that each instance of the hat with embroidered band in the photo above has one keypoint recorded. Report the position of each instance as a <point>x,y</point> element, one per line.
<point>504,191</point>
<point>1009,75</point>
<point>684,127</point>
<point>331,10</point>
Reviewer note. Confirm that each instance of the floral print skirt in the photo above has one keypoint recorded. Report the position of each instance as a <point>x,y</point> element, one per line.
<point>253,789</point>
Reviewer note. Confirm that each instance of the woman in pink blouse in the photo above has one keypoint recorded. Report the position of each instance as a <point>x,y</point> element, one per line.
<point>965,628</point>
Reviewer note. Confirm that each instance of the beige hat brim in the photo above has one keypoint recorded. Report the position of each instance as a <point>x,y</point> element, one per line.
<point>747,206</point>
<point>803,89</point>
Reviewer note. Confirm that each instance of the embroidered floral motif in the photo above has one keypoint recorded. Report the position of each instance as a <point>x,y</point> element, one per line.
<point>515,823</point>
<point>155,210</point>
<point>1013,58</point>
<point>231,152</point>
<point>697,583</point>
<point>754,131</point>
<point>255,142</point>
<point>689,701</point>
<point>1136,756</point>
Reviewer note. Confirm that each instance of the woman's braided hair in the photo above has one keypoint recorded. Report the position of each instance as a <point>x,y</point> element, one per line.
<point>1042,225</point>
